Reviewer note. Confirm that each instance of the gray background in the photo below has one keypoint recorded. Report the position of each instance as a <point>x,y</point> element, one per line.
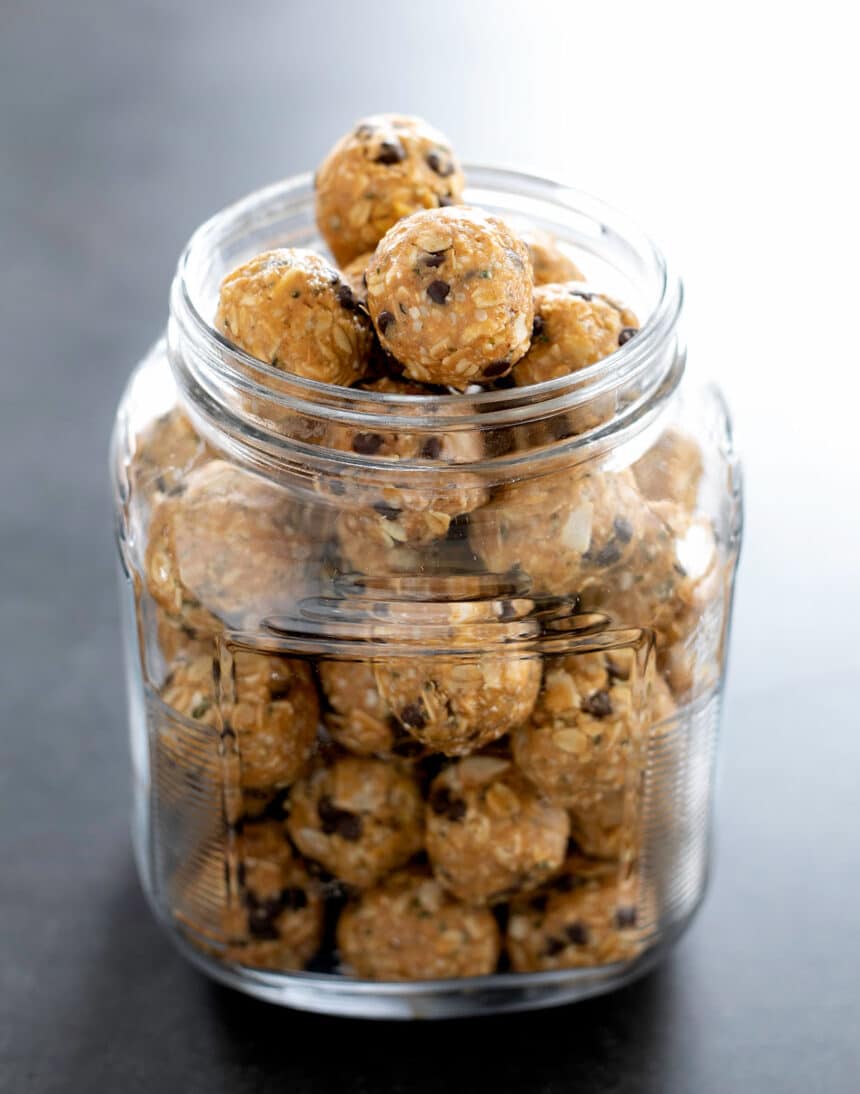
<point>730,135</point>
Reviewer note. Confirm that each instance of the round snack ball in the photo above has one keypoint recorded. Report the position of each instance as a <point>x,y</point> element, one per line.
<point>294,311</point>
<point>562,530</point>
<point>489,834</point>
<point>360,720</point>
<point>450,294</point>
<point>585,730</point>
<point>572,329</point>
<point>164,454</point>
<point>550,264</point>
<point>280,921</point>
<point>359,819</point>
<point>457,705</point>
<point>409,928</point>
<point>269,707</point>
<point>228,549</point>
<point>387,167</point>
<point>671,470</point>
<point>586,916</point>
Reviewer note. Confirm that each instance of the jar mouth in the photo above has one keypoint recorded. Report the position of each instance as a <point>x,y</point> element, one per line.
<point>221,380</point>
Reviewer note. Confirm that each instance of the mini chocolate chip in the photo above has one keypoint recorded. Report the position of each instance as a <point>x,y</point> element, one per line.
<point>391,152</point>
<point>625,917</point>
<point>554,946</point>
<point>338,822</point>
<point>444,804</point>
<point>565,883</point>
<point>366,444</point>
<point>384,321</point>
<point>444,168</point>
<point>445,200</point>
<point>458,529</point>
<point>608,555</point>
<point>413,716</point>
<point>538,903</point>
<point>496,368</point>
<point>345,297</point>
<point>438,291</point>
<point>537,326</point>
<point>390,512</point>
<point>432,448</point>
<point>433,259</point>
<point>623,529</point>
<point>581,295</point>
<point>293,900</point>
<point>577,933</point>
<point>598,704</point>
<point>626,334</point>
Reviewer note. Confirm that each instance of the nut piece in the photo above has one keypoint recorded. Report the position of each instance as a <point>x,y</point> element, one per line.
<point>294,311</point>
<point>550,264</point>
<point>409,928</point>
<point>450,294</point>
<point>488,832</point>
<point>389,166</point>
<point>358,818</point>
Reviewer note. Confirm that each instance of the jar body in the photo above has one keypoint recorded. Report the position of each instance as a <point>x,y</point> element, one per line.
<point>470,713</point>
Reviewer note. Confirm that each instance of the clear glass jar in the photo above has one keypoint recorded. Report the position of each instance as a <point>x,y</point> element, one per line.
<point>424,696</point>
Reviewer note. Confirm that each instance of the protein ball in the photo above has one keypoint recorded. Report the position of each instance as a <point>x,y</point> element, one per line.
<point>294,311</point>
<point>268,705</point>
<point>360,720</point>
<point>489,834</point>
<point>279,923</point>
<point>586,916</point>
<point>409,928</point>
<point>387,167</point>
<point>228,549</point>
<point>450,294</point>
<point>457,704</point>
<point>550,264</point>
<point>359,819</point>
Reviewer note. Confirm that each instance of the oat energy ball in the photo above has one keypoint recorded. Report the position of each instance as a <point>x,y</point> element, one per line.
<point>358,818</point>
<point>279,922</point>
<point>450,294</point>
<point>228,549</point>
<point>268,707</point>
<point>409,928</point>
<point>389,166</point>
<point>489,834</point>
<point>550,264</point>
<point>293,310</point>
<point>572,328</point>
<point>586,916</point>
<point>456,704</point>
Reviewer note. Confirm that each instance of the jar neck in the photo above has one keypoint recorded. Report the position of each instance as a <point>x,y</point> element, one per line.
<point>286,424</point>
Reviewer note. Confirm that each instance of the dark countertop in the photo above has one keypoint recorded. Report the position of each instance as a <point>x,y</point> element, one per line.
<point>122,127</point>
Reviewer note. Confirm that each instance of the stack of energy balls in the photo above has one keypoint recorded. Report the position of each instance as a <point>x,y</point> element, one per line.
<point>459,809</point>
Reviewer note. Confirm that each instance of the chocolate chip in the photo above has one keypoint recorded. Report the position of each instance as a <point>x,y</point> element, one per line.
<point>433,259</point>
<point>366,444</point>
<point>438,291</point>
<point>390,512</point>
<point>444,804</point>
<point>293,900</point>
<point>554,946</point>
<point>445,200</point>
<point>566,883</point>
<point>458,529</point>
<point>391,152</point>
<point>626,334</point>
<point>338,822</point>
<point>281,691</point>
<point>623,529</point>
<point>261,917</point>
<point>496,368</point>
<point>625,917</point>
<point>581,295</point>
<point>384,321</point>
<point>598,704</point>
<point>345,297</point>
<point>537,326</point>
<point>413,716</point>
<point>538,903</point>
<point>608,555</point>
<point>432,448</point>
<point>577,933</point>
<point>442,167</point>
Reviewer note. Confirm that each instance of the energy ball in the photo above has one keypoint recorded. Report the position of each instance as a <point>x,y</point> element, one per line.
<point>294,311</point>
<point>279,924</point>
<point>489,834</point>
<point>450,294</point>
<point>268,706</point>
<point>228,549</point>
<point>409,928</point>
<point>359,819</point>
<point>389,166</point>
<point>586,916</point>
<point>360,720</point>
<point>671,470</point>
<point>587,731</point>
<point>550,264</point>
<point>572,329</point>
<point>165,452</point>
<point>563,530</point>
<point>457,705</point>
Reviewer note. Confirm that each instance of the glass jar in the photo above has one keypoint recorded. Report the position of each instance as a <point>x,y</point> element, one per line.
<point>424,695</point>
